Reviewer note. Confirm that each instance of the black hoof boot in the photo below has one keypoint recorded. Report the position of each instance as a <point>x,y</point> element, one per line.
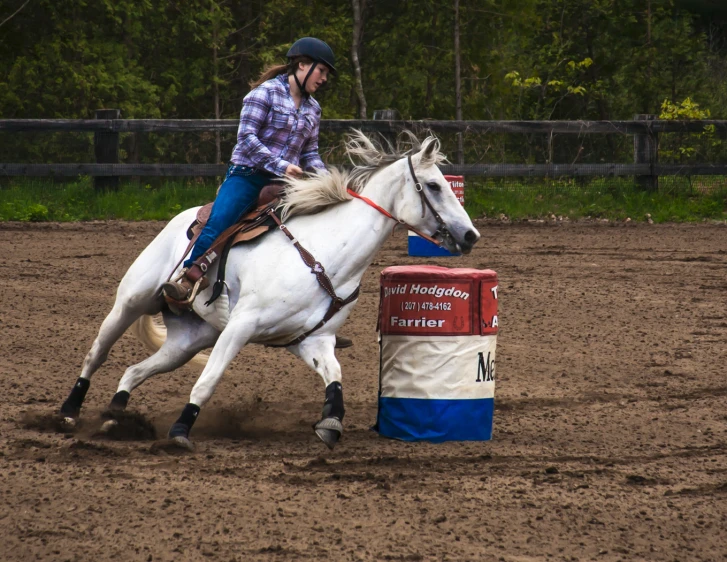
<point>71,408</point>
<point>330,428</point>
<point>179,436</point>
<point>117,405</point>
<point>179,432</point>
<point>119,401</point>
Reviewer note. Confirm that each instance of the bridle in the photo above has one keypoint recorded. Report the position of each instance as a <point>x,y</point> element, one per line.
<point>442,229</point>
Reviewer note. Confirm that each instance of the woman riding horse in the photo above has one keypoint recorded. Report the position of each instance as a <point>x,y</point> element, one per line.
<point>294,290</point>
<point>277,136</point>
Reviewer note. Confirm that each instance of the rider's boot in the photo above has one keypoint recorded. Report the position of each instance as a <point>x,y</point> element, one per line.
<point>186,286</point>
<point>342,343</point>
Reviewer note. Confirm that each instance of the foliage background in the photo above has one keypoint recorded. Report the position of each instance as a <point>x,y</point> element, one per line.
<point>521,59</point>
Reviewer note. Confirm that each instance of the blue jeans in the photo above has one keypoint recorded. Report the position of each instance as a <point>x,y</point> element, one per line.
<point>238,194</point>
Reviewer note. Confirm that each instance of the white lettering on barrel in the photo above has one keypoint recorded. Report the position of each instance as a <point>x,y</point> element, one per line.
<point>436,291</point>
<point>494,291</point>
<point>398,290</point>
<point>422,322</point>
<point>494,322</point>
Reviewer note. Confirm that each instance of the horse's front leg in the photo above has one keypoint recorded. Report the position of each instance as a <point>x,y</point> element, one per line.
<point>232,339</point>
<point>319,353</point>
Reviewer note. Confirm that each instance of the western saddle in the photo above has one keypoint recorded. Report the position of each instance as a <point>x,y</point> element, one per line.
<point>249,227</point>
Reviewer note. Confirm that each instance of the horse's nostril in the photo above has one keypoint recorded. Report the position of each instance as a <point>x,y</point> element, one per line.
<point>470,237</point>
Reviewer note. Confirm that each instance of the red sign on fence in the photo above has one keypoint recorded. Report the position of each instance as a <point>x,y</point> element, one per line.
<point>457,183</point>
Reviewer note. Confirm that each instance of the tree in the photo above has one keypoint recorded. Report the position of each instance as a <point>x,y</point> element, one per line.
<point>358,23</point>
<point>484,59</point>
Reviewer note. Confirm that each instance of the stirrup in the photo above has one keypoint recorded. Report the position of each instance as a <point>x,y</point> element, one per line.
<point>190,299</point>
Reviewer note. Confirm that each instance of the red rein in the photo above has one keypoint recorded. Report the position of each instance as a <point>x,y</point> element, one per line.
<point>392,217</point>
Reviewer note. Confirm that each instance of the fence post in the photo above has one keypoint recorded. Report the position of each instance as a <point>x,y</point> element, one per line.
<point>387,115</point>
<point>106,149</point>
<point>646,147</point>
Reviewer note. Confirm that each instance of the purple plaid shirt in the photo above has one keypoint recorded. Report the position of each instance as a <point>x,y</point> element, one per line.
<point>274,134</point>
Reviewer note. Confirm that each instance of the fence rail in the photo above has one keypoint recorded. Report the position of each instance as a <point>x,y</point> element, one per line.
<point>107,170</point>
<point>383,126</point>
<point>486,170</point>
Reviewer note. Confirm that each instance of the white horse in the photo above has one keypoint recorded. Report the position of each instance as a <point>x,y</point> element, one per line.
<point>272,296</point>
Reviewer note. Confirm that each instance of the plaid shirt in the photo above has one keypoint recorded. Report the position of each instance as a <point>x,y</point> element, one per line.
<point>274,134</point>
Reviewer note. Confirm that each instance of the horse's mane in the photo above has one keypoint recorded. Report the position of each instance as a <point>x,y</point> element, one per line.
<point>367,156</point>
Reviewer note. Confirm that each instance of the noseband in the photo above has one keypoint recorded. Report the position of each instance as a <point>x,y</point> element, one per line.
<point>442,229</point>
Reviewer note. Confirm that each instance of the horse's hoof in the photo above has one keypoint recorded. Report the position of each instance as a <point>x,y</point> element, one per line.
<point>329,431</point>
<point>108,425</point>
<point>68,422</point>
<point>179,436</point>
<point>182,442</point>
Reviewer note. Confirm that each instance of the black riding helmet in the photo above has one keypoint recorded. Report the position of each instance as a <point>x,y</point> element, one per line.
<point>316,50</point>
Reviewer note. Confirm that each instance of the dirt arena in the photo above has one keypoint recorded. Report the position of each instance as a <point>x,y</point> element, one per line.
<point>609,436</point>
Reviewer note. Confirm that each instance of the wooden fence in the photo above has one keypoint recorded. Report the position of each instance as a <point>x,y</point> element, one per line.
<point>107,126</point>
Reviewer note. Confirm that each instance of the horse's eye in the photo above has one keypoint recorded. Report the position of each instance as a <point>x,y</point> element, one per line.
<point>434,186</point>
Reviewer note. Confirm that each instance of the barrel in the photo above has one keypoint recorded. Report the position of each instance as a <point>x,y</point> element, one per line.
<point>437,338</point>
<point>418,246</point>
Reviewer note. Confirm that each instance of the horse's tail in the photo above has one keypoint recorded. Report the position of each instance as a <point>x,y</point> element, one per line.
<point>153,335</point>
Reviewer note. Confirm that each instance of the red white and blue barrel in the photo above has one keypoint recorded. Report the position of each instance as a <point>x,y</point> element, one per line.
<point>418,246</point>
<point>437,333</point>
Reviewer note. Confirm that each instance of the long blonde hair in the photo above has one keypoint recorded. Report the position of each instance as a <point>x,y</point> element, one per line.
<point>272,70</point>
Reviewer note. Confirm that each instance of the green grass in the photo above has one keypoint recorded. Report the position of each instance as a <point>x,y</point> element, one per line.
<point>677,200</point>
<point>43,200</point>
<point>610,198</point>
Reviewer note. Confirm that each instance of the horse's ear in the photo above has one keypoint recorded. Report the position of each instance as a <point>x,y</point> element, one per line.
<point>430,149</point>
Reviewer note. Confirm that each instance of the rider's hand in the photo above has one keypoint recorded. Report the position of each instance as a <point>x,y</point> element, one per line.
<point>293,171</point>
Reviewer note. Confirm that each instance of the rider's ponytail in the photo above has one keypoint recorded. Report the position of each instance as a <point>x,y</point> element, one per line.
<point>271,71</point>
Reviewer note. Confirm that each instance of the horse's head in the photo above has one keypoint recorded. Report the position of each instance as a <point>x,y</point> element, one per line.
<point>426,201</point>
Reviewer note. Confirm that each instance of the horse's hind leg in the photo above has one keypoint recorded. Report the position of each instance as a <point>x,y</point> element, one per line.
<point>186,336</point>
<point>112,328</point>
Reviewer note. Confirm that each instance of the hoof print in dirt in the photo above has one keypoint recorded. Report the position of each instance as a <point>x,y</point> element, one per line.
<point>126,426</point>
<point>88,448</point>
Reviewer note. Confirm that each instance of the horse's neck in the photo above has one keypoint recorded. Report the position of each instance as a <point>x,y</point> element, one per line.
<point>354,231</point>
<point>383,186</point>
<point>372,228</point>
